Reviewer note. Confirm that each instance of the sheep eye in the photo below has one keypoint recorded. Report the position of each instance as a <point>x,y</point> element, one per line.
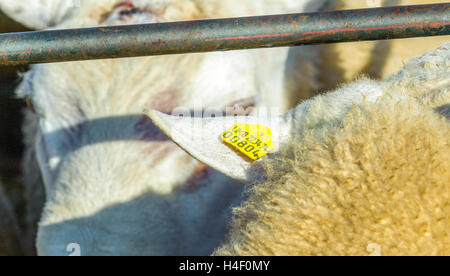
<point>29,103</point>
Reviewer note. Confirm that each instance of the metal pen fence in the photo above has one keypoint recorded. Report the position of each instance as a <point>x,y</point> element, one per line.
<point>224,34</point>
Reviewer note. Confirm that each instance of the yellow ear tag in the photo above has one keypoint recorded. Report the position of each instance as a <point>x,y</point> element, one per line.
<point>254,141</point>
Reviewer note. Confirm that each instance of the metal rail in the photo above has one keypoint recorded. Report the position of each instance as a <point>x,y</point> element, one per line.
<point>224,34</point>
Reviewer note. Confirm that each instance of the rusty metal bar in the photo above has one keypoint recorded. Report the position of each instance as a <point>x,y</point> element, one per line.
<point>224,34</point>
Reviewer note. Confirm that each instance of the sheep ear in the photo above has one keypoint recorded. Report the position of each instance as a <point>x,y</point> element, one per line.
<point>38,14</point>
<point>202,137</point>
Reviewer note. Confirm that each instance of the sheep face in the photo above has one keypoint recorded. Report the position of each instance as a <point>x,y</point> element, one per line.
<point>115,184</point>
<point>96,150</point>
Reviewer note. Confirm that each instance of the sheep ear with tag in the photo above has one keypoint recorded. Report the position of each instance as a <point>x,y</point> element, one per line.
<point>231,145</point>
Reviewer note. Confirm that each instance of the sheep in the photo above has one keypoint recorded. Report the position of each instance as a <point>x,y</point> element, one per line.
<point>361,170</point>
<point>114,184</point>
<point>47,19</point>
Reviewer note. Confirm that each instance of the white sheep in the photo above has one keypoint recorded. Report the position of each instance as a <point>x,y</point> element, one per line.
<point>114,184</point>
<point>364,169</point>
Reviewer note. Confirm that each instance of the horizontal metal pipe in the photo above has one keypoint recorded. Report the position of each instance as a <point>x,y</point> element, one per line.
<point>224,34</point>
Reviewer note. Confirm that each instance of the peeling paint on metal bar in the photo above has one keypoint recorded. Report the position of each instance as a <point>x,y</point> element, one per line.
<point>224,34</point>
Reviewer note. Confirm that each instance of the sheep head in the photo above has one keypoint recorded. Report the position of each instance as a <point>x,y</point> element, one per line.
<point>115,184</point>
